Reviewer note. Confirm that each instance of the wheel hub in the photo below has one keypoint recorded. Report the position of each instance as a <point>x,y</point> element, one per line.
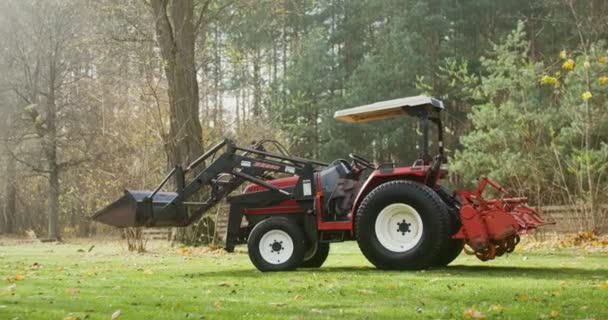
<point>276,246</point>
<point>403,227</point>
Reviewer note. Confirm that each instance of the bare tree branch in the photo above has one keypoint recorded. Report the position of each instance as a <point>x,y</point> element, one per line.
<point>205,8</point>
<point>201,15</point>
<point>27,164</point>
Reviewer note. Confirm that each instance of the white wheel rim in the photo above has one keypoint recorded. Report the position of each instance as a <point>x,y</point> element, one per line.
<point>398,227</point>
<point>276,246</point>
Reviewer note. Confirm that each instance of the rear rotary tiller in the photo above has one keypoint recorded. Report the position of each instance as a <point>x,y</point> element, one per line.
<point>492,227</point>
<point>293,208</point>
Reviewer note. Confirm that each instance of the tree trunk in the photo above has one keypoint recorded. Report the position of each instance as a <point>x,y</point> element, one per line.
<point>175,34</point>
<point>53,206</point>
<point>7,220</point>
<point>50,149</point>
<point>257,85</point>
<point>217,77</point>
<point>284,61</point>
<point>237,109</point>
<point>244,91</point>
<point>435,47</point>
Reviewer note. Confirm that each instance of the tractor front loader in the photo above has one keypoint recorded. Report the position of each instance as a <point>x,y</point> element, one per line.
<point>400,216</point>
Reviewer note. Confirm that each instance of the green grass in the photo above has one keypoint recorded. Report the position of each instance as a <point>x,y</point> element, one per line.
<point>163,284</point>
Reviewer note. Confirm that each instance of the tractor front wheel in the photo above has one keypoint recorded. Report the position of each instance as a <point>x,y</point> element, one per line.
<point>276,244</point>
<point>316,255</point>
<point>401,225</point>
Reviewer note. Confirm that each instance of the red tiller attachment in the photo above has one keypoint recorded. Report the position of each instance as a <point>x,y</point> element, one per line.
<point>492,227</point>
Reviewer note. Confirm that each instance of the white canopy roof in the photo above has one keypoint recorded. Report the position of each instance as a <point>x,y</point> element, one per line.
<point>386,109</point>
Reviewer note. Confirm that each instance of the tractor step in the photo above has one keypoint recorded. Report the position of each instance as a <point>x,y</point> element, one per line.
<point>140,208</point>
<point>332,236</point>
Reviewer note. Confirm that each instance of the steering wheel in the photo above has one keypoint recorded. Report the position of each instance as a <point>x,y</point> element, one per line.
<point>361,161</point>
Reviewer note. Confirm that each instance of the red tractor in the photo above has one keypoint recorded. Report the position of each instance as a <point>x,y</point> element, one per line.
<point>400,216</point>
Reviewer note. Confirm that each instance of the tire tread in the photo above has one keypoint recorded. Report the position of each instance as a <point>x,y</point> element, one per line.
<point>440,225</point>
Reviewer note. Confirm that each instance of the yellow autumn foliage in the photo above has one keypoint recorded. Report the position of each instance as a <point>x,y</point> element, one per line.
<point>586,95</point>
<point>550,80</point>
<point>568,65</point>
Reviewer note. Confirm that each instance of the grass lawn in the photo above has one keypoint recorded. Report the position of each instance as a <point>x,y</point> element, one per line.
<point>65,281</point>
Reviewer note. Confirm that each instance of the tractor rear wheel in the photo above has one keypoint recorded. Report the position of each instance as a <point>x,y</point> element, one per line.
<point>276,244</point>
<point>451,248</point>
<point>316,255</point>
<point>449,252</point>
<point>401,225</point>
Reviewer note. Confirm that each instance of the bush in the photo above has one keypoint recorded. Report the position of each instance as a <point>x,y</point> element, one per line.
<point>542,127</point>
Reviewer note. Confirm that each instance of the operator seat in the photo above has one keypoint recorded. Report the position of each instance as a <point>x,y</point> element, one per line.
<point>339,185</point>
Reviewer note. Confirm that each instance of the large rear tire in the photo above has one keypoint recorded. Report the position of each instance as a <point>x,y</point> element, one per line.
<point>317,256</point>
<point>276,244</point>
<point>401,225</point>
<point>451,248</point>
<point>449,252</point>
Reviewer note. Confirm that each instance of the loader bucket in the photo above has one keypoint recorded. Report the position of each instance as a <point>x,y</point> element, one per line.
<point>137,209</point>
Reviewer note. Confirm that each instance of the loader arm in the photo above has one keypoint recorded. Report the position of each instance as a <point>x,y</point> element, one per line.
<point>229,168</point>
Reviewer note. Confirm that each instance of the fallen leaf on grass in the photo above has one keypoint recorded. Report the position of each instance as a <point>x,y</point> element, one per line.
<point>12,288</point>
<point>365,291</point>
<point>497,308</point>
<point>554,314</point>
<point>116,315</point>
<point>298,297</point>
<point>185,251</point>
<point>72,291</point>
<point>218,305</point>
<point>604,285</point>
<point>148,272</point>
<point>278,304</point>
<point>473,313</point>
<point>523,297</point>
<point>19,277</point>
<point>392,286</point>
